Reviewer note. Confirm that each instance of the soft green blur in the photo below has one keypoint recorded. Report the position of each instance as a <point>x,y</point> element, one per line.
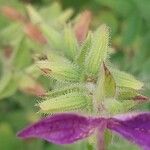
<point>129,22</point>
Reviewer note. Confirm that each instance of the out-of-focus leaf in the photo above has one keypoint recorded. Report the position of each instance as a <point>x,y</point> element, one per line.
<point>8,85</point>
<point>22,55</point>
<point>131,29</point>
<point>53,36</point>
<point>8,141</point>
<point>118,142</point>
<point>122,7</point>
<point>144,7</point>
<point>108,18</point>
<point>10,34</point>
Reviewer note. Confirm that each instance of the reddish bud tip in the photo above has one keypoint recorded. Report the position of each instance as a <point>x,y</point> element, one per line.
<point>35,33</point>
<point>82,26</point>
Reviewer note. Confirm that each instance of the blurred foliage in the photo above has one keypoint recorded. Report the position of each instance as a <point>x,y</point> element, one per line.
<point>130,31</point>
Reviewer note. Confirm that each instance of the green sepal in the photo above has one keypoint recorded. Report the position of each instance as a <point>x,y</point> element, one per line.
<point>109,84</point>
<point>33,14</point>
<point>84,50</point>
<point>114,106</point>
<point>126,94</point>
<point>72,101</point>
<point>65,90</point>
<point>62,71</point>
<point>99,94</point>
<point>70,43</point>
<point>64,16</point>
<point>98,50</point>
<point>126,80</point>
<point>106,86</point>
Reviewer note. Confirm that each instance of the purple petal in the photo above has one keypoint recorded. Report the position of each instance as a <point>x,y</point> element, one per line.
<point>136,128</point>
<point>61,128</point>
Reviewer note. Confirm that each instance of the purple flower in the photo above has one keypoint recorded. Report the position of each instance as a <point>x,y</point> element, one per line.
<point>67,128</point>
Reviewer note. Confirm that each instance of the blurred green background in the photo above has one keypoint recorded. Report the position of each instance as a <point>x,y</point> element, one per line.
<point>129,22</point>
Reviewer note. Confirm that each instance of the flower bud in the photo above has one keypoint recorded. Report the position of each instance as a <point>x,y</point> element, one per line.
<point>82,26</point>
